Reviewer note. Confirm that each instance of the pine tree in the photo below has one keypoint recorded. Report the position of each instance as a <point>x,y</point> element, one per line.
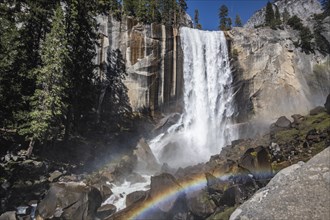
<point>10,79</point>
<point>81,33</point>
<point>238,21</point>
<point>196,18</point>
<point>269,16</point>
<point>114,106</point>
<point>48,105</point>
<point>143,11</point>
<point>277,16</point>
<point>223,13</point>
<point>229,23</point>
<point>129,7</point>
<point>183,5</point>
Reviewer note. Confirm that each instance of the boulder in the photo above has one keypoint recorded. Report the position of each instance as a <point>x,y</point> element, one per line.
<point>258,162</point>
<point>135,197</point>
<point>283,122</point>
<point>146,159</point>
<point>69,200</point>
<point>163,183</point>
<point>327,104</point>
<point>105,210</point>
<point>200,203</point>
<point>215,185</point>
<point>317,110</point>
<point>54,175</point>
<point>8,216</point>
<point>300,191</point>
<point>297,119</point>
<point>167,122</point>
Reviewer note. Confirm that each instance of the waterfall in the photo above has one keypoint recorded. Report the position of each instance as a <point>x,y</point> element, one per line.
<point>204,126</point>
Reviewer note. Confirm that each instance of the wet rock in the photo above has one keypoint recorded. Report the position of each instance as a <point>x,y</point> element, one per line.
<point>135,197</point>
<point>8,216</point>
<point>105,210</point>
<point>167,122</point>
<point>160,184</point>
<point>215,185</point>
<point>317,110</point>
<point>146,158</point>
<point>327,104</point>
<point>200,203</point>
<point>300,191</point>
<point>54,175</point>
<point>297,119</point>
<point>135,178</point>
<point>313,135</point>
<point>70,201</point>
<point>283,122</point>
<point>257,161</point>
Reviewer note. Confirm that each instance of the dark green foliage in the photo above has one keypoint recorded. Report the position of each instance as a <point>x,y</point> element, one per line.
<point>269,16</point>
<point>114,107</point>
<point>238,21</point>
<point>196,18</point>
<point>183,5</point>
<point>277,16</point>
<point>130,7</point>
<point>225,22</point>
<point>10,80</point>
<point>306,38</point>
<point>45,120</point>
<point>295,23</point>
<point>321,42</point>
<point>304,34</point>
<point>82,37</point>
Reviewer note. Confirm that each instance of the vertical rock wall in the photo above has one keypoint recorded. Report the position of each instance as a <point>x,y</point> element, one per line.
<point>153,59</point>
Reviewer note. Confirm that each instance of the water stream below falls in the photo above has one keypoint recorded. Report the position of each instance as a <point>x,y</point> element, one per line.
<point>204,127</point>
<point>205,124</point>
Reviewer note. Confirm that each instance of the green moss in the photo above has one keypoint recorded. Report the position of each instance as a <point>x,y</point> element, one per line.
<point>253,154</point>
<point>319,122</point>
<point>287,135</point>
<point>225,215</point>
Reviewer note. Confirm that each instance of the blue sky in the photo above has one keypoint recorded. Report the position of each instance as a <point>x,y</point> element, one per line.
<point>208,10</point>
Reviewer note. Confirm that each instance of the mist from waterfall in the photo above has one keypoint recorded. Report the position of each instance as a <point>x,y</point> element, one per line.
<point>204,127</point>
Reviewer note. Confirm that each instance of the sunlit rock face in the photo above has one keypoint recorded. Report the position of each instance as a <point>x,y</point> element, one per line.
<point>153,57</point>
<point>273,78</point>
<point>304,9</point>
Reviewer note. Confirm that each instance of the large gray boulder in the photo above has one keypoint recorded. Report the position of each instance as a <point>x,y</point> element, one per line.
<point>70,201</point>
<point>301,191</point>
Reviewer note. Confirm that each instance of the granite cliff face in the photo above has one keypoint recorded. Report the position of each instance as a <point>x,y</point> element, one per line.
<point>304,9</point>
<point>153,57</point>
<point>273,77</point>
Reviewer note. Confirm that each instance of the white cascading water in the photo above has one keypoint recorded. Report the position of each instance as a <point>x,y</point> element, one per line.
<point>205,124</point>
<point>204,127</point>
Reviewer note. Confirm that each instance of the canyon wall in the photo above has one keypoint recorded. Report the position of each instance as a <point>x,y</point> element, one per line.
<point>153,57</point>
<point>271,77</point>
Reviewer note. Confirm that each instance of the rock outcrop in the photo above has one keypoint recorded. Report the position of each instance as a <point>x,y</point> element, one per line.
<point>273,78</point>
<point>153,58</point>
<point>304,9</point>
<point>301,191</point>
<point>70,201</point>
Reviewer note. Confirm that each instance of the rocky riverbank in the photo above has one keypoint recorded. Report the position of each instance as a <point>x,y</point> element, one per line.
<point>210,190</point>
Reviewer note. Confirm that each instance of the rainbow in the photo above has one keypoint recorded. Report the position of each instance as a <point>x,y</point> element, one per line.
<point>140,210</point>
